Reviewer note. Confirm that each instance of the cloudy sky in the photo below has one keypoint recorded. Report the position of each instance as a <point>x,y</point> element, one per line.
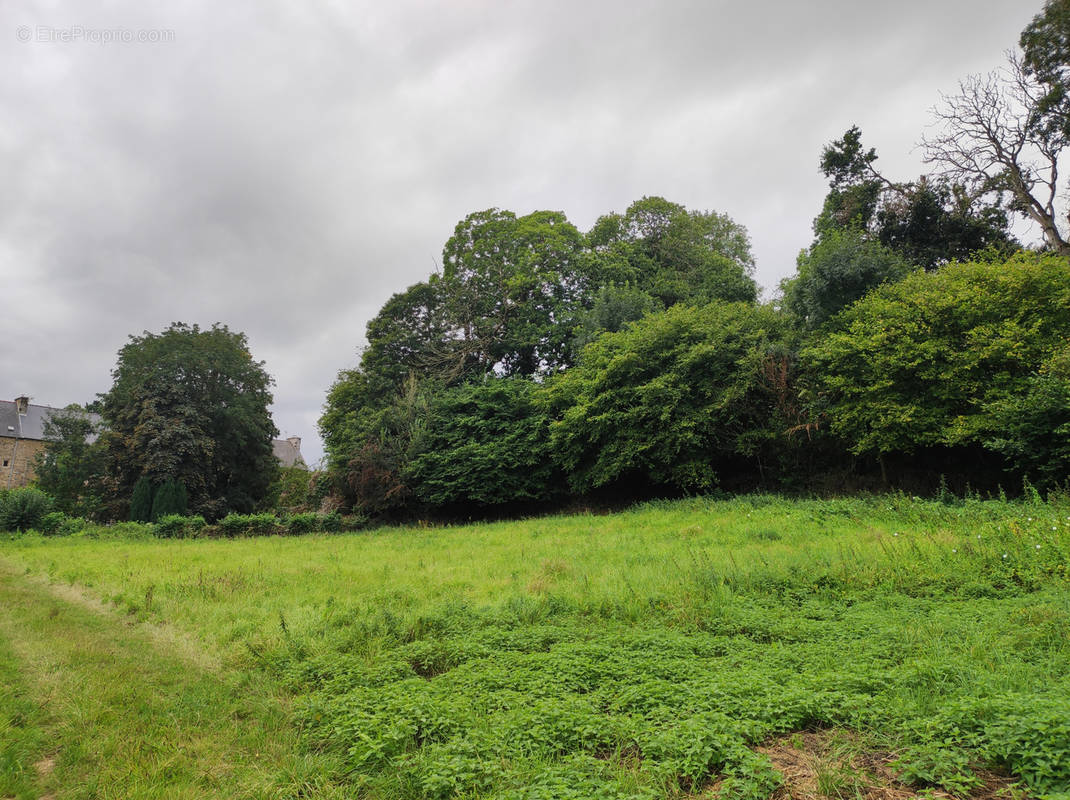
<point>285,167</point>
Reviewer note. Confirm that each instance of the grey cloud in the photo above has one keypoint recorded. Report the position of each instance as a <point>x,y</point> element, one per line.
<point>285,167</point>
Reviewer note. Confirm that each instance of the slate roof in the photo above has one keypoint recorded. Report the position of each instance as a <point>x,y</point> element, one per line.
<point>30,425</point>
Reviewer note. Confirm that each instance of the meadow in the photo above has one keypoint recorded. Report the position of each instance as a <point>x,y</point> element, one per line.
<point>745,648</point>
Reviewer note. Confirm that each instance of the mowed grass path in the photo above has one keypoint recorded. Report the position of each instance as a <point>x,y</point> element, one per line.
<point>94,707</point>
<point>638,655</point>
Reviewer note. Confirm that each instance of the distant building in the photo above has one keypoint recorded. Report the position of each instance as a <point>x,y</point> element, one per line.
<point>22,438</point>
<point>288,452</point>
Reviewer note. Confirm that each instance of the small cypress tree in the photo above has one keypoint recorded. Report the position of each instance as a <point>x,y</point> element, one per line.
<point>141,501</point>
<point>170,499</point>
<point>181,500</point>
<point>164,500</point>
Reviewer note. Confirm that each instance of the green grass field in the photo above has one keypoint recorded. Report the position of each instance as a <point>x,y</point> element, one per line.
<point>687,649</point>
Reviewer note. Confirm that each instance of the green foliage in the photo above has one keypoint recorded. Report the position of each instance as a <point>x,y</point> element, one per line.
<point>674,255</point>
<point>50,523</point>
<point>612,308</point>
<point>927,222</point>
<point>169,499</point>
<point>191,405</point>
<point>141,500</point>
<point>510,286</point>
<point>292,491</point>
<point>71,467</point>
<point>311,523</point>
<point>932,222</point>
<point>840,268</point>
<point>671,398</point>
<point>1032,426</point>
<point>250,525</point>
<point>926,361</point>
<point>302,523</point>
<point>23,509</point>
<point>482,444</point>
<point>374,471</point>
<point>178,526</point>
<point>1046,46</point>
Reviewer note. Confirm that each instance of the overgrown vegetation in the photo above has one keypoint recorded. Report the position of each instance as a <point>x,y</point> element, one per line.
<point>647,654</point>
<point>917,339</point>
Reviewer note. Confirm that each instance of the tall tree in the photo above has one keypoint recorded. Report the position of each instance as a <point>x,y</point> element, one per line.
<point>1046,47</point>
<point>993,138</point>
<point>191,405</point>
<point>840,268</point>
<point>512,286</point>
<point>928,222</point>
<point>671,400</point>
<point>71,466</point>
<point>674,255</point>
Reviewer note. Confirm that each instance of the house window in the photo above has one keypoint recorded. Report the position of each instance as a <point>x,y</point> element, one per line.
<point>5,462</point>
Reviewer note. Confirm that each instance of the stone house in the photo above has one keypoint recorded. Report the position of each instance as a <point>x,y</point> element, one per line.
<point>22,438</point>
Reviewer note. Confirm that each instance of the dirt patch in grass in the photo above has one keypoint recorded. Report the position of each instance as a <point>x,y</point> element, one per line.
<point>833,764</point>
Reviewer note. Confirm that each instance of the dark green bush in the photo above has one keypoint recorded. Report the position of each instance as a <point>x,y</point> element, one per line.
<point>354,522</point>
<point>303,523</point>
<point>176,526</point>
<point>169,499</point>
<point>51,523</point>
<point>310,523</point>
<point>71,526</point>
<point>249,525</point>
<point>22,509</point>
<point>141,501</point>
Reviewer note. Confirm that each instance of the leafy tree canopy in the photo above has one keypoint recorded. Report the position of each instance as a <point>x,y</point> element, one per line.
<point>920,362</point>
<point>837,270</point>
<point>928,222</point>
<point>482,444</point>
<point>1046,46</point>
<point>71,466</point>
<point>669,399</point>
<point>674,255</point>
<point>191,405</point>
<point>511,286</point>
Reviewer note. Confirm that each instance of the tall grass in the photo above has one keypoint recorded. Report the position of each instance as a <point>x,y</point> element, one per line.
<point>639,654</point>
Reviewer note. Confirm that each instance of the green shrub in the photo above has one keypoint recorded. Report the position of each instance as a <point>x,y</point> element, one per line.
<point>141,501</point>
<point>22,509</point>
<point>249,525</point>
<point>944,359</point>
<point>328,523</point>
<point>51,523</point>
<point>303,523</point>
<point>71,526</point>
<point>169,499</point>
<point>354,522</point>
<point>331,523</point>
<point>176,526</point>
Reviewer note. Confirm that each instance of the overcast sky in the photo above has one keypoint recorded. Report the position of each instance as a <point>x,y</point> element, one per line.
<point>285,167</point>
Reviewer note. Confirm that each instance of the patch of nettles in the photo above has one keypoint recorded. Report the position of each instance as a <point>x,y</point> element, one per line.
<point>954,668</point>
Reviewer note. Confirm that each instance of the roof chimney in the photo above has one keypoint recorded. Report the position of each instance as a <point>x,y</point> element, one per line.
<point>294,442</point>
<point>22,404</point>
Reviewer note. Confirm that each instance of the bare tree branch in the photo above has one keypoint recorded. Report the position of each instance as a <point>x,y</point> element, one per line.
<point>988,139</point>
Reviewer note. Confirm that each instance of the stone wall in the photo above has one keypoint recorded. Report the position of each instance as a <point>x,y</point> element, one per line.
<point>17,462</point>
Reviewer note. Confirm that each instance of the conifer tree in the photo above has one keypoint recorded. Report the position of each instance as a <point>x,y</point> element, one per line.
<point>141,501</point>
